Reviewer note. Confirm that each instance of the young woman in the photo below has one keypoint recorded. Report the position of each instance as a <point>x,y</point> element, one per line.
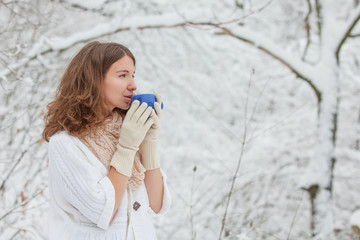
<point>105,179</point>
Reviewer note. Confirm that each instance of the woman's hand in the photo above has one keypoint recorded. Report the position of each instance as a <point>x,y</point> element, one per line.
<point>133,130</point>
<point>135,125</point>
<point>157,115</point>
<point>148,147</point>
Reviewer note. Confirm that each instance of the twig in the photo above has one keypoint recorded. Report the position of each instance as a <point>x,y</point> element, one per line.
<point>231,189</point>
<point>238,165</point>
<point>15,165</point>
<point>293,221</point>
<point>22,203</point>
<point>318,17</point>
<point>15,234</point>
<point>276,123</point>
<point>12,169</point>
<point>308,27</point>
<point>256,103</point>
<point>347,34</point>
<point>193,233</point>
<point>218,24</point>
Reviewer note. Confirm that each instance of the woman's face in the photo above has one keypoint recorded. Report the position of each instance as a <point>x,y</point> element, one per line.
<point>119,85</point>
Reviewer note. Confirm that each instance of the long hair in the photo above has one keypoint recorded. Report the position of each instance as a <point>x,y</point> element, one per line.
<point>79,105</point>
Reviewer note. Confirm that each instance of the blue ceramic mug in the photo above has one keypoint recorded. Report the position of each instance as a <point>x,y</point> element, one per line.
<point>150,99</point>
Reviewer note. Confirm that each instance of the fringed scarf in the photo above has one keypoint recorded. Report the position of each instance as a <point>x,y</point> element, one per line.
<point>103,144</point>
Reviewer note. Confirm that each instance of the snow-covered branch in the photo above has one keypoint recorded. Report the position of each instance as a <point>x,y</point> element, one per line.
<point>117,25</point>
<point>301,69</point>
<point>45,45</point>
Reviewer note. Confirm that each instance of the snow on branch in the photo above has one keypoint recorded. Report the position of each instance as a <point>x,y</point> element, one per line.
<point>301,69</point>
<point>351,23</point>
<point>37,49</point>
<point>115,25</point>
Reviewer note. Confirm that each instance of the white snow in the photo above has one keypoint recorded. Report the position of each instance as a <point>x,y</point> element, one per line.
<point>355,219</point>
<point>114,25</point>
<point>268,45</point>
<point>215,88</point>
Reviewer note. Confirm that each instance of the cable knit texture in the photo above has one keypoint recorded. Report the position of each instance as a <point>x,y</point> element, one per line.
<point>82,197</point>
<point>103,144</point>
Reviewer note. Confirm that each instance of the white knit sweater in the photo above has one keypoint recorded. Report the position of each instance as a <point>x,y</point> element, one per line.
<point>83,198</point>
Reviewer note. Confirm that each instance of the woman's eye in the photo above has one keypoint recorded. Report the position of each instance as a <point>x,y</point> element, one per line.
<point>122,75</point>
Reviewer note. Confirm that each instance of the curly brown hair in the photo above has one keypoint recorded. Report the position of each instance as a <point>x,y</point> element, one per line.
<point>79,106</point>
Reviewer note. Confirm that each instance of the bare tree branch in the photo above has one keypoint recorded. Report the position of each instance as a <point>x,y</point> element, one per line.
<point>354,35</point>
<point>252,12</point>
<point>243,145</point>
<point>318,17</point>
<point>278,54</point>
<point>15,165</point>
<point>354,19</point>
<point>356,3</point>
<point>193,232</point>
<point>282,56</point>
<point>308,27</point>
<point>12,169</point>
<point>23,203</point>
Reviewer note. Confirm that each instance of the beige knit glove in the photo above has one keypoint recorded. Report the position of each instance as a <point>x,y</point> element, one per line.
<point>133,130</point>
<point>149,147</point>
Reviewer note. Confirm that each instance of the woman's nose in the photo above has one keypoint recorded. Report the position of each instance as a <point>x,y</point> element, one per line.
<point>132,85</point>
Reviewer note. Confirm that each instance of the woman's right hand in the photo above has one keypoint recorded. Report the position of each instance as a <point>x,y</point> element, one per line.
<point>135,125</point>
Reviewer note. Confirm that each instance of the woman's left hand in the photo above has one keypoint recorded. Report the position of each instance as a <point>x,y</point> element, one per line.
<point>156,115</point>
<point>148,147</point>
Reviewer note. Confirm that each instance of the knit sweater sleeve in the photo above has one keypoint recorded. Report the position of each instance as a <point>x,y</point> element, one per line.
<point>166,202</point>
<point>79,182</point>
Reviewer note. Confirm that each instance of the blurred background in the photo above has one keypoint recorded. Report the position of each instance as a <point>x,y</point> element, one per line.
<point>260,137</point>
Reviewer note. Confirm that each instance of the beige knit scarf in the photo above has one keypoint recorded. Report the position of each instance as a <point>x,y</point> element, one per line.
<point>103,144</point>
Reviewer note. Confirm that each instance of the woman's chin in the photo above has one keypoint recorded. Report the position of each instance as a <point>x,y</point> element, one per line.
<point>124,106</point>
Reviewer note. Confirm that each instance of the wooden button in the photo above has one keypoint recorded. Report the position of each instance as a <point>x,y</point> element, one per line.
<point>136,205</point>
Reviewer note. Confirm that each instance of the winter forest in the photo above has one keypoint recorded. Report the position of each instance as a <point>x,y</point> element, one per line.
<point>260,136</point>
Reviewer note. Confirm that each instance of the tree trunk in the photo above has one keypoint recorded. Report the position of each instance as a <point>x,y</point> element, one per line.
<point>319,176</point>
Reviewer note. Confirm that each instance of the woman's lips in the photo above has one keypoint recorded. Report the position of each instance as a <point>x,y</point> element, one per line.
<point>128,98</point>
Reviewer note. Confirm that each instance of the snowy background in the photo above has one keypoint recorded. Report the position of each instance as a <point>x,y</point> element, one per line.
<point>232,109</point>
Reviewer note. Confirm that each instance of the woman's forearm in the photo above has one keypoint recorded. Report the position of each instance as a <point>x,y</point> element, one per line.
<point>153,183</point>
<point>155,188</point>
<point>119,182</point>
